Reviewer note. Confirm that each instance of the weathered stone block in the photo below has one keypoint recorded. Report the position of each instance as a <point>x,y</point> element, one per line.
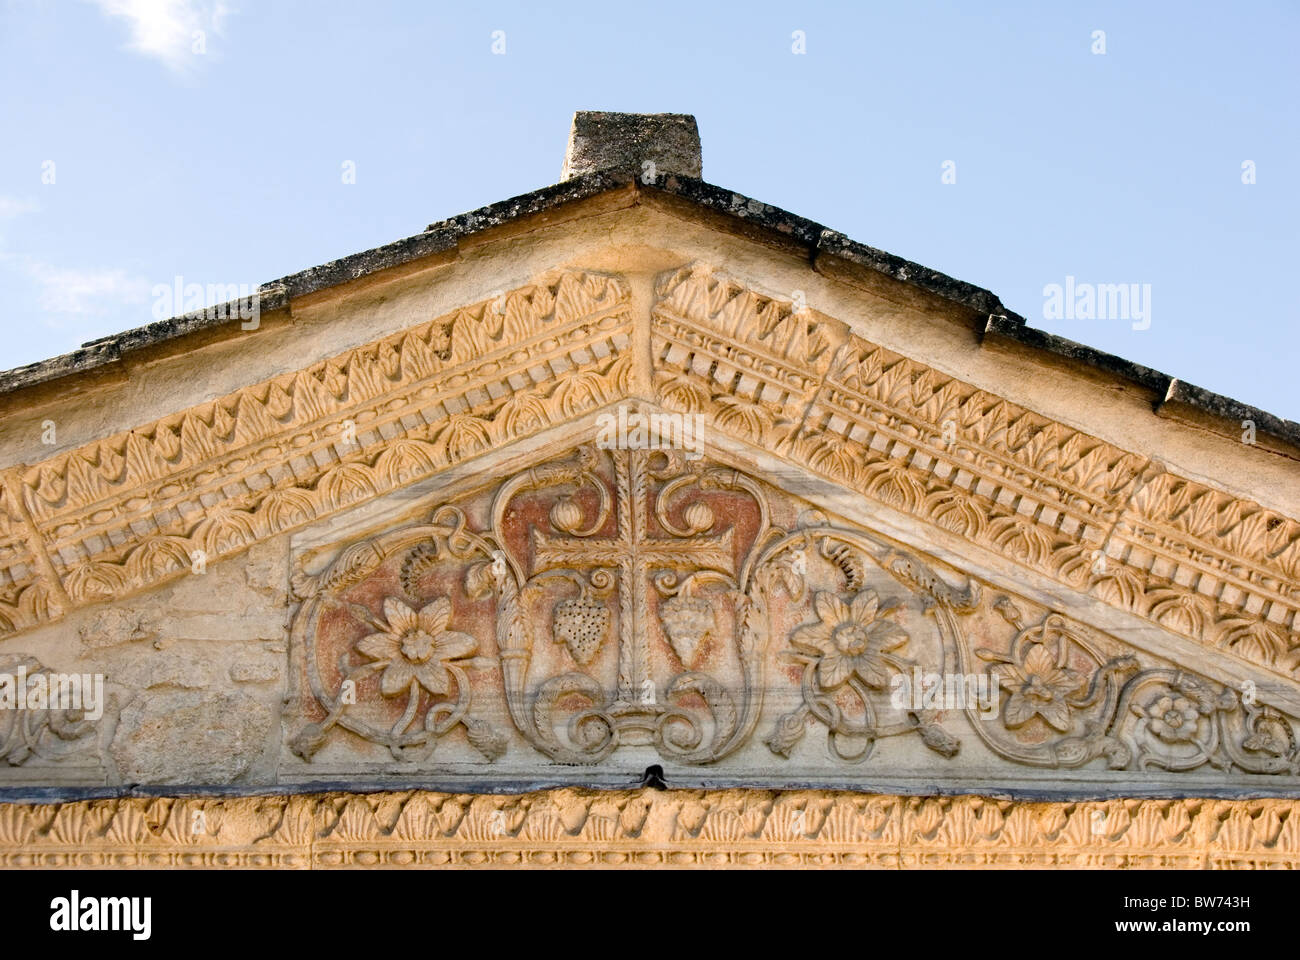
<point>670,142</point>
<point>190,738</point>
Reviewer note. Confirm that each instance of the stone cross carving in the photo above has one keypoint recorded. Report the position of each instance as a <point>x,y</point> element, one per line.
<point>635,555</point>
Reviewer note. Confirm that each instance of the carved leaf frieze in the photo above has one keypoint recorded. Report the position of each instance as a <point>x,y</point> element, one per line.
<point>1196,561</point>
<point>648,828</point>
<point>129,511</point>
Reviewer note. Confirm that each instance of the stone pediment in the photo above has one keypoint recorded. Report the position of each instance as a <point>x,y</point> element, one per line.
<point>483,588</point>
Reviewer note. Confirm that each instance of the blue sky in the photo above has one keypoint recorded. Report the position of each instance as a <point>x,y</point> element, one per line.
<point>225,165</point>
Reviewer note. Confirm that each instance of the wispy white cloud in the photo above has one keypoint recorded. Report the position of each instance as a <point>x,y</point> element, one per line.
<point>11,207</point>
<point>176,32</point>
<point>66,294</point>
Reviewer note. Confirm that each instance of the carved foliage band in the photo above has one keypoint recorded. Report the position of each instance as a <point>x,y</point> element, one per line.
<point>1198,562</point>
<point>128,511</point>
<point>647,829</point>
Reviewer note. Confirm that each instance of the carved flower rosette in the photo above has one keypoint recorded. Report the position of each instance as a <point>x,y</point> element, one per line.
<point>389,652</point>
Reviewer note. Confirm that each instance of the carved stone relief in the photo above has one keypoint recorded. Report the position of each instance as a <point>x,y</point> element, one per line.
<point>641,829</point>
<point>616,598</point>
<point>33,721</point>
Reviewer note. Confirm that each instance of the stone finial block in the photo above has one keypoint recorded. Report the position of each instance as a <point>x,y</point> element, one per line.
<point>625,141</point>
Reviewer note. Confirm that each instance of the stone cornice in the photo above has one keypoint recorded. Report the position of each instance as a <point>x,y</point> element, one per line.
<point>648,829</point>
<point>830,253</point>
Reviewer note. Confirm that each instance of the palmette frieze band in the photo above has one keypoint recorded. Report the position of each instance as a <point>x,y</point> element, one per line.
<point>648,829</point>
